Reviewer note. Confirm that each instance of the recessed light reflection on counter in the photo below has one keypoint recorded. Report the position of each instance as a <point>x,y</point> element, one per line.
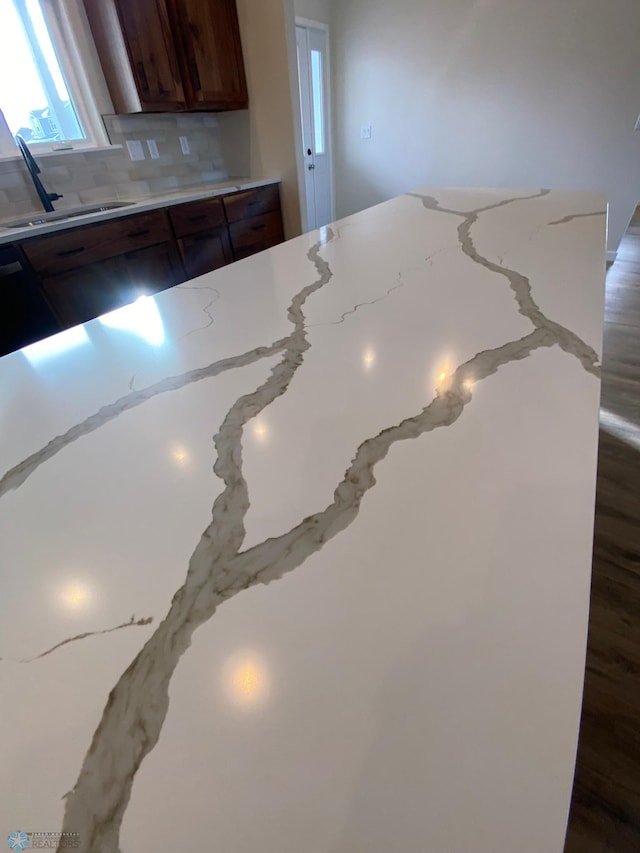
<point>368,359</point>
<point>180,455</point>
<point>442,373</point>
<point>245,681</point>
<point>260,431</point>
<point>75,597</point>
<point>55,345</point>
<point>141,317</point>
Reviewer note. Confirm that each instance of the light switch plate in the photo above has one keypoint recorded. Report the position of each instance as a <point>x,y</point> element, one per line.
<point>365,131</point>
<point>135,149</point>
<point>184,144</point>
<point>152,145</point>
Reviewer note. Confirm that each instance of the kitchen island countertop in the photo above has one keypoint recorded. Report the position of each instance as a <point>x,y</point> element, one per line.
<point>296,555</point>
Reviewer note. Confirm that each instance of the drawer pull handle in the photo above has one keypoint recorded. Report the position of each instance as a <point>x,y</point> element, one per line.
<point>258,227</point>
<point>142,76</point>
<point>68,252</point>
<point>196,77</point>
<point>10,269</point>
<point>197,218</point>
<point>200,237</point>
<point>138,233</point>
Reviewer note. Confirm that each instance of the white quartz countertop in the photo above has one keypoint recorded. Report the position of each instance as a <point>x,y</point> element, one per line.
<point>136,205</point>
<point>296,555</point>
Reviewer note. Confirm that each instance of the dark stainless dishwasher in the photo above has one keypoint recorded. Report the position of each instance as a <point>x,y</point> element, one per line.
<point>25,316</point>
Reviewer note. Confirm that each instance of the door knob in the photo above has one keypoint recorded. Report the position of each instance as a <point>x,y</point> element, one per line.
<point>311,166</point>
<point>308,152</point>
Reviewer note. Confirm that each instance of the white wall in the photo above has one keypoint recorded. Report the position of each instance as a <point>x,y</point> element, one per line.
<point>314,10</point>
<point>261,141</point>
<point>515,93</point>
<point>266,139</point>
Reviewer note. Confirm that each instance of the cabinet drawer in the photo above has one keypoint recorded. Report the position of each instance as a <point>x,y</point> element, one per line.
<point>86,292</point>
<point>256,234</point>
<point>252,202</point>
<point>205,252</point>
<point>196,216</point>
<point>68,250</point>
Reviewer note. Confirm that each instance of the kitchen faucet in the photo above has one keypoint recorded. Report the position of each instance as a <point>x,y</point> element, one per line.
<point>34,170</point>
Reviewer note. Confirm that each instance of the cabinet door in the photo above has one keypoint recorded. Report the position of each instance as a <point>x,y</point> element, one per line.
<point>154,60</point>
<point>25,316</point>
<point>152,270</point>
<point>81,294</point>
<point>202,253</point>
<point>212,64</point>
<point>86,292</point>
<point>256,234</point>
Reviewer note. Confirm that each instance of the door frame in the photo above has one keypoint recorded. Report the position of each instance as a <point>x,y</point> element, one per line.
<point>319,25</point>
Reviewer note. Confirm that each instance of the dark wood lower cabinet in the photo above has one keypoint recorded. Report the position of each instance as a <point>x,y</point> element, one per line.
<point>25,315</point>
<point>202,253</point>
<point>256,234</point>
<point>81,294</point>
<point>83,272</point>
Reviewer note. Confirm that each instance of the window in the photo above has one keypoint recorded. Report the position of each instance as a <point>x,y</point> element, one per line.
<point>34,96</point>
<point>318,101</point>
<point>51,88</point>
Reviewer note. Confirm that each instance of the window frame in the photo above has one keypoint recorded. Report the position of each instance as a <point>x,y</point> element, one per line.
<point>73,42</point>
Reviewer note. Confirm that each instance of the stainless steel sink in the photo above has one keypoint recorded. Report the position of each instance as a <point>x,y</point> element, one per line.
<point>60,215</point>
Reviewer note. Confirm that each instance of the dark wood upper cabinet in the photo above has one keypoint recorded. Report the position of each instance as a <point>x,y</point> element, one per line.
<point>169,55</point>
<point>146,28</point>
<point>211,53</point>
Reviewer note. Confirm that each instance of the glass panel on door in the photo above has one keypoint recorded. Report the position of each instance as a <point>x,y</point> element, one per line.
<point>318,101</point>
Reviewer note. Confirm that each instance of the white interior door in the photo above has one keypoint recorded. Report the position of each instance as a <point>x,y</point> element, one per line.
<point>313,73</point>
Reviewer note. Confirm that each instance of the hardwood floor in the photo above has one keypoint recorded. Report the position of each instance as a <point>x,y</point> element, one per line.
<point>605,808</point>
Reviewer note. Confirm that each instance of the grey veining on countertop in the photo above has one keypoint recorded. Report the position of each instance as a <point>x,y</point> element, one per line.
<point>375,445</point>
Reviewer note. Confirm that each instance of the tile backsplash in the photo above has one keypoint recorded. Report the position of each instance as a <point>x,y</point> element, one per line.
<point>106,174</point>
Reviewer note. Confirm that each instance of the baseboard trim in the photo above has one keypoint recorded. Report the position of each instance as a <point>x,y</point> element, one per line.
<point>611,256</point>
